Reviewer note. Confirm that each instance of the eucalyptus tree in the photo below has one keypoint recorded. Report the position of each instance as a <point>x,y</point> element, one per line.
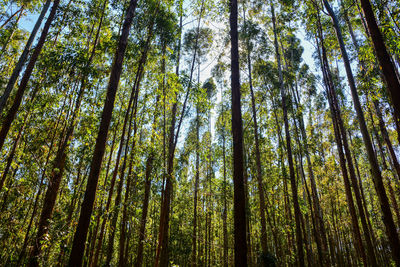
<point>301,189</point>
<point>165,28</point>
<point>198,42</point>
<point>222,133</point>
<point>78,246</point>
<point>341,140</point>
<point>250,32</point>
<point>237,134</point>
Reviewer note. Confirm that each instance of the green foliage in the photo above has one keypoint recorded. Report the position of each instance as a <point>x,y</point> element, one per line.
<point>68,87</point>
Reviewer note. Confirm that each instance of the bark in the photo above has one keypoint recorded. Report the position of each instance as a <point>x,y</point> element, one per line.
<point>239,208</point>
<point>78,246</point>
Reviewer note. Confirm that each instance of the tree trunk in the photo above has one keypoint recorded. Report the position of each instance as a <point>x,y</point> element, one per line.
<point>149,166</point>
<point>78,246</point>
<point>135,90</point>
<point>161,257</point>
<point>224,212</point>
<point>127,119</point>
<point>388,142</point>
<point>196,186</point>
<point>263,237</point>
<point>239,208</point>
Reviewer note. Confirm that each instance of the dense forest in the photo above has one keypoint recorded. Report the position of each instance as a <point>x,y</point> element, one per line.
<point>199,133</point>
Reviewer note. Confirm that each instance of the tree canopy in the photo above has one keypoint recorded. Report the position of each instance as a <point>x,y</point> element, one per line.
<point>199,133</point>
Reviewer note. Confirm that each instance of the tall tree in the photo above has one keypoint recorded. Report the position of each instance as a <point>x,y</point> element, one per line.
<point>78,246</point>
<point>237,135</point>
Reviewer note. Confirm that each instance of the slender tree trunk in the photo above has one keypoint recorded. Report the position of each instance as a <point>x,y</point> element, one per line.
<point>39,192</point>
<point>237,134</point>
<point>288,213</point>
<point>78,246</point>
<point>161,257</point>
<point>385,136</point>
<point>10,36</point>
<point>122,145</point>
<point>224,212</point>
<point>133,120</point>
<point>59,162</point>
<point>20,10</point>
<point>196,186</point>
<point>248,210</point>
<point>263,236</point>
<point>11,154</point>
<point>320,225</point>
<point>306,195</point>
<point>166,200</point>
<point>124,219</point>
<point>149,166</point>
